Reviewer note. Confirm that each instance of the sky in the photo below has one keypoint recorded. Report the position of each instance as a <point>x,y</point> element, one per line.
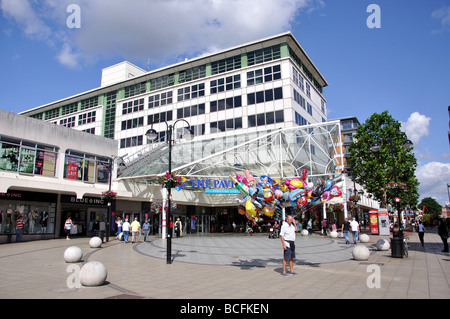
<point>393,56</point>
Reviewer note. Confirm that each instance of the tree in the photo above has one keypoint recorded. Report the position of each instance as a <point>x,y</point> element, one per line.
<point>432,207</point>
<point>375,170</point>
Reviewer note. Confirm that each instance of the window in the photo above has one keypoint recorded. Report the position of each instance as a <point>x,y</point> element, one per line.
<point>298,79</point>
<point>135,89</point>
<point>133,106</point>
<point>159,117</point>
<point>131,141</point>
<point>228,103</point>
<point>70,108</point>
<point>88,103</point>
<point>192,110</point>
<point>264,55</point>
<point>226,65</point>
<point>225,125</point>
<point>132,123</point>
<point>86,118</point>
<point>322,106</point>
<point>267,74</point>
<point>192,74</point>
<point>68,122</point>
<point>160,99</point>
<point>191,92</point>
<point>264,96</point>
<point>300,120</point>
<point>308,90</point>
<point>225,84</point>
<point>299,99</point>
<point>50,114</point>
<point>266,118</point>
<point>26,157</point>
<point>309,109</point>
<point>162,82</point>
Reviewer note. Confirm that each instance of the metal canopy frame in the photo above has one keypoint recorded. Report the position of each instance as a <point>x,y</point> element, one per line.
<point>282,153</point>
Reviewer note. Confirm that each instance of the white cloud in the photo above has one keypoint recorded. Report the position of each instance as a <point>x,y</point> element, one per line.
<point>416,127</point>
<point>442,14</point>
<point>433,178</point>
<point>159,30</point>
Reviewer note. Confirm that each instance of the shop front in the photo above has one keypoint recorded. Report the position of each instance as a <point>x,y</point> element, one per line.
<point>89,214</point>
<point>37,210</point>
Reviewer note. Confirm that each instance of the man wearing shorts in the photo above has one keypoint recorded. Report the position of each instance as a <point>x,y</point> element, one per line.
<point>287,235</point>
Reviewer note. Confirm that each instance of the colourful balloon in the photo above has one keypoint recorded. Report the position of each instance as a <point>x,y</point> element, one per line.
<point>335,191</point>
<point>296,183</point>
<point>250,208</point>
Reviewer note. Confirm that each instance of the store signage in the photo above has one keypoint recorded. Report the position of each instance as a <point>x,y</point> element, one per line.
<point>215,186</point>
<point>85,200</point>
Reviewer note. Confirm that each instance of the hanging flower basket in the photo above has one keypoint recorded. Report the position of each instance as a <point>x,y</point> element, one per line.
<point>355,198</point>
<point>335,208</point>
<point>109,195</point>
<point>170,180</point>
<point>399,185</point>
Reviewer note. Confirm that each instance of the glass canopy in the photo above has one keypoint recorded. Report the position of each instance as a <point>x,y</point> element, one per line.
<point>281,154</point>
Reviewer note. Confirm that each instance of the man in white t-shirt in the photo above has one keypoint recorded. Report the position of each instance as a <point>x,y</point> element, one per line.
<point>287,235</point>
<point>126,230</point>
<point>355,229</point>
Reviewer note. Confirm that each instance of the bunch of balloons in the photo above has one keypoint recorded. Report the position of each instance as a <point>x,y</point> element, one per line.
<point>267,196</point>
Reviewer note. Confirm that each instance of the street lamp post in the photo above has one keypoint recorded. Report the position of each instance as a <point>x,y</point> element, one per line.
<point>406,144</point>
<point>152,134</point>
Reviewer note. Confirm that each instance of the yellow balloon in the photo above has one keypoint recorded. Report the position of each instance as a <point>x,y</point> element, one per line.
<point>269,212</point>
<point>296,183</point>
<point>250,208</point>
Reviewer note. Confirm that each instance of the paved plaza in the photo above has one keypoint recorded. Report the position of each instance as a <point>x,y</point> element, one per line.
<point>229,266</point>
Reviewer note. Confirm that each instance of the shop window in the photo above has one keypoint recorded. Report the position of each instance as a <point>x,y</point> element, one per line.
<point>25,157</point>
<point>85,167</point>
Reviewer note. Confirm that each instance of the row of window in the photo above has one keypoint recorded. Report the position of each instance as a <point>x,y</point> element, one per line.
<point>215,127</point>
<point>85,118</point>
<point>38,159</point>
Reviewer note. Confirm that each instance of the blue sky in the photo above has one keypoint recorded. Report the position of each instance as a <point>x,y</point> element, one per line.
<point>402,67</point>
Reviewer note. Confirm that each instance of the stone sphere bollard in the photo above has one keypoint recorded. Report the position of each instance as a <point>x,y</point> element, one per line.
<point>305,232</point>
<point>364,238</point>
<point>383,244</point>
<point>361,252</point>
<point>95,242</point>
<point>73,254</point>
<point>334,234</point>
<point>93,273</point>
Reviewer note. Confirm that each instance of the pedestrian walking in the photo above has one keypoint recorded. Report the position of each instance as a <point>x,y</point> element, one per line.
<point>443,232</point>
<point>346,230</point>
<point>67,227</point>
<point>126,230</point>
<point>119,227</point>
<point>421,230</point>
<point>19,228</point>
<point>135,230</point>
<point>287,235</point>
<point>355,230</point>
<point>309,226</point>
<point>146,229</point>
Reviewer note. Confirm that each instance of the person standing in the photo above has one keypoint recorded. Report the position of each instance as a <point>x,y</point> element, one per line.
<point>146,229</point>
<point>309,226</point>
<point>19,228</point>
<point>67,227</point>
<point>346,230</point>
<point>324,226</point>
<point>355,229</point>
<point>287,235</point>
<point>126,230</point>
<point>443,232</point>
<point>178,228</point>
<point>421,230</point>
<point>135,230</point>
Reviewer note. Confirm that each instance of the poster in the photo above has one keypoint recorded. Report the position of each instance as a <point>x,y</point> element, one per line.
<point>72,171</point>
<point>373,222</point>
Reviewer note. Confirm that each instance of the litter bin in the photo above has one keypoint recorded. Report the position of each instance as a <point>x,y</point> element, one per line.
<point>397,247</point>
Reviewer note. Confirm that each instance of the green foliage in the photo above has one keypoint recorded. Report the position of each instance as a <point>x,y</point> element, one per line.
<point>432,207</point>
<point>376,169</point>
